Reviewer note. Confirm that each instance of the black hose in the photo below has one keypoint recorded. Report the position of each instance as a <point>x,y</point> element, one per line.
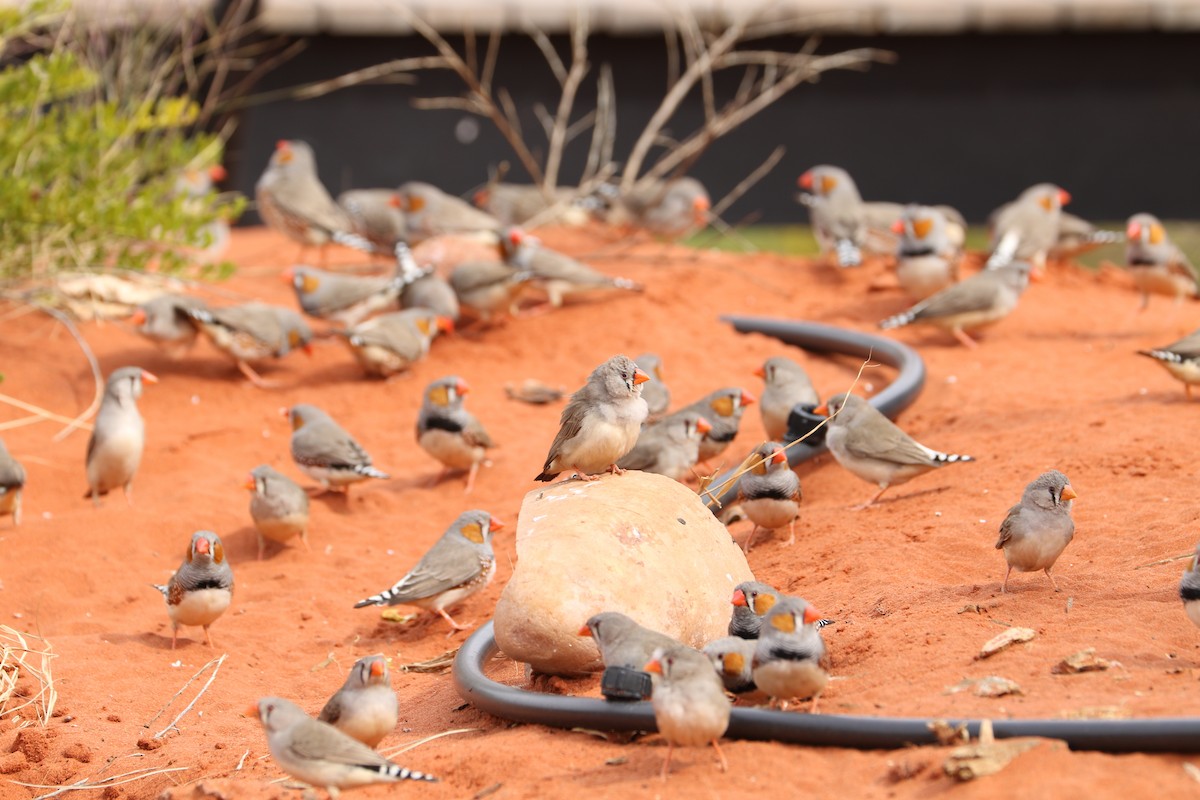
<point>1171,735</point>
<point>1166,735</point>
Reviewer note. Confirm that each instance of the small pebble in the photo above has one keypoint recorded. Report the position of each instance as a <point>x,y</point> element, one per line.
<point>195,399</point>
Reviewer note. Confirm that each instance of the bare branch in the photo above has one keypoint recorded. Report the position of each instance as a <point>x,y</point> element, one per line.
<point>444,103</point>
<point>549,53</point>
<point>570,85</point>
<point>600,150</point>
<point>749,181</point>
<point>669,35</point>
<point>489,60</point>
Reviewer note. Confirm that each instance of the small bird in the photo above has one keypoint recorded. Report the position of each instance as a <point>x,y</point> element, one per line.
<point>872,447</point>
<point>254,332</point>
<point>424,288</point>
<point>1189,589</point>
<point>391,343</point>
<point>12,481</point>
<point>1156,264</point>
<point>118,438</point>
<point>1027,228</point>
<point>751,601</point>
<point>654,391</point>
<point>201,589</point>
<point>787,660</point>
<point>1037,530</point>
<point>345,299</point>
<point>319,754</point>
<point>671,208</point>
<point>723,409</point>
<point>670,447</point>
<point>983,299</point>
<point>325,452</point>
<point>278,506</point>
<point>690,706</point>
<point>836,213</point>
<point>733,659</point>
<point>429,212</point>
<point>600,423</point>
<point>164,320</point>
<point>374,217</point>
<point>1077,236</point>
<point>459,564</point>
<point>559,275</point>
<point>1181,359</point>
<point>487,288</point>
<point>292,200</point>
<point>770,492</point>
<point>196,186</point>
<point>365,708</point>
<point>787,386</point>
<point>449,432</point>
<point>516,204</point>
<point>625,647</point>
<point>926,257</point>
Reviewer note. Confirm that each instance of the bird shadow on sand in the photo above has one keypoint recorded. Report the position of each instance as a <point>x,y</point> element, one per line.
<point>903,498</point>
<point>157,641</point>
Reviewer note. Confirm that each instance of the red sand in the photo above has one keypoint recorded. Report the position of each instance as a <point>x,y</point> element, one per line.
<point>914,583</point>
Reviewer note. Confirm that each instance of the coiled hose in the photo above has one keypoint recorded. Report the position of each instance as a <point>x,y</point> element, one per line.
<point>1173,735</point>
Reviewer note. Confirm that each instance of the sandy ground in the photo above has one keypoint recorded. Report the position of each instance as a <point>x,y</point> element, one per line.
<point>913,583</point>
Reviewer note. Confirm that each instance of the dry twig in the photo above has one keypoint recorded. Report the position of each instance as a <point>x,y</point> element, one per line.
<point>216,665</point>
<point>16,662</point>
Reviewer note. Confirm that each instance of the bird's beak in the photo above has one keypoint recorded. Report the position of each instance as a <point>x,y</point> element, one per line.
<point>149,377</point>
<point>217,173</point>
<point>516,236</point>
<point>811,615</point>
<point>1134,231</point>
<point>805,181</point>
<point>653,665</point>
<point>822,409</point>
<point>747,398</point>
<point>202,546</point>
<point>288,275</point>
<point>481,198</point>
<point>739,598</point>
<point>395,201</point>
<point>700,207</point>
<point>898,227</point>
<point>495,525</point>
<point>307,348</point>
<point>778,457</point>
<point>285,412</point>
<point>703,425</point>
<point>639,377</point>
<point>1064,197</point>
<point>377,668</point>
<point>250,485</point>
<point>760,372</point>
<point>138,317</point>
<point>584,630</point>
<point>284,149</point>
<point>1068,493</point>
<point>461,387</point>
<point>445,325</point>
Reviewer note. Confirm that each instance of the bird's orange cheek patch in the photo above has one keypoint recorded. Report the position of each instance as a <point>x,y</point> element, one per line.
<point>473,532</point>
<point>784,623</point>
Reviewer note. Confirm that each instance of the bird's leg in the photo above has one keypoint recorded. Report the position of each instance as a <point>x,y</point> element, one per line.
<point>262,545</point>
<point>791,533</point>
<point>1052,583</point>
<point>749,539</point>
<point>471,477</point>
<point>720,755</point>
<point>615,470</point>
<point>812,709</point>
<point>17,512</point>
<point>304,540</point>
<point>95,498</point>
<point>255,378</point>
<point>127,489</point>
<point>872,501</point>
<point>207,638</point>
<point>666,768</point>
<point>1187,387</point>
<point>174,635</point>
<point>583,476</point>
<point>1004,586</point>
<point>967,341</point>
<point>453,624</point>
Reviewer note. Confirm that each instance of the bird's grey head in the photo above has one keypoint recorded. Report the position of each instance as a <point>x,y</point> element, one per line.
<point>126,383</point>
<point>1051,491</point>
<point>294,157</point>
<point>619,377</point>
<point>477,527</point>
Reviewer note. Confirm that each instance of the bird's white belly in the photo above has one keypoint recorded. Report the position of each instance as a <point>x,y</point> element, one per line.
<point>771,513</point>
<point>201,607</point>
<point>1158,280</point>
<point>790,679</point>
<point>1192,609</point>
<point>114,463</point>
<point>331,477</point>
<point>921,276</point>
<point>1034,553</point>
<point>451,448</point>
<point>599,444</point>
<point>687,723</point>
<point>1186,371</point>
<point>280,529</point>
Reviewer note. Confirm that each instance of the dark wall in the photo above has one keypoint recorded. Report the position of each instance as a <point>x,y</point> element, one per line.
<point>966,120</point>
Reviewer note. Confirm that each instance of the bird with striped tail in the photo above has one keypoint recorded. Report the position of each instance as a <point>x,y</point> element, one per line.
<point>1181,359</point>
<point>319,754</point>
<point>325,452</point>
<point>874,448</point>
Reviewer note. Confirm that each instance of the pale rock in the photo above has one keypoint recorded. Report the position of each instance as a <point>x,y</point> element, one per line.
<point>637,543</point>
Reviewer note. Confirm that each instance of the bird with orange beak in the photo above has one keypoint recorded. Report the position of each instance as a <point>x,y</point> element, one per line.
<point>1157,265</point>
<point>253,332</point>
<point>365,708</point>
<point>769,492</point>
<point>600,423</point>
<point>690,706</point>
<point>114,451</point>
<point>1037,530</point>
<point>787,385</point>
<point>787,660</point>
<point>202,588</point>
<point>390,343</point>
<point>429,212</point>
<point>671,209</point>
<point>1181,359</point>
<point>723,409</point>
<point>1027,228</point>
<point>292,200</point>
<point>926,258</point>
<point>164,320</point>
<point>670,447</point>
<point>278,506</point>
<point>751,601</point>
<point>449,432</point>
<point>836,213</point>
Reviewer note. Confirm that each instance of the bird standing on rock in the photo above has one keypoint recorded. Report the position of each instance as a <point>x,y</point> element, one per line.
<point>770,492</point>
<point>12,481</point>
<point>202,588</point>
<point>292,200</point>
<point>325,452</point>
<point>1157,265</point>
<point>983,299</point>
<point>458,565</point>
<point>751,601</point>
<point>365,708</point>
<point>600,423</point>
<point>872,447</point>
<point>787,661</point>
<point>1181,359</point>
<point>1037,530</point>
<point>278,506</point>
<point>114,450</point>
<point>787,386</point>
<point>319,754</point>
<point>449,432</point>
<point>254,332</point>
<point>690,706</point>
